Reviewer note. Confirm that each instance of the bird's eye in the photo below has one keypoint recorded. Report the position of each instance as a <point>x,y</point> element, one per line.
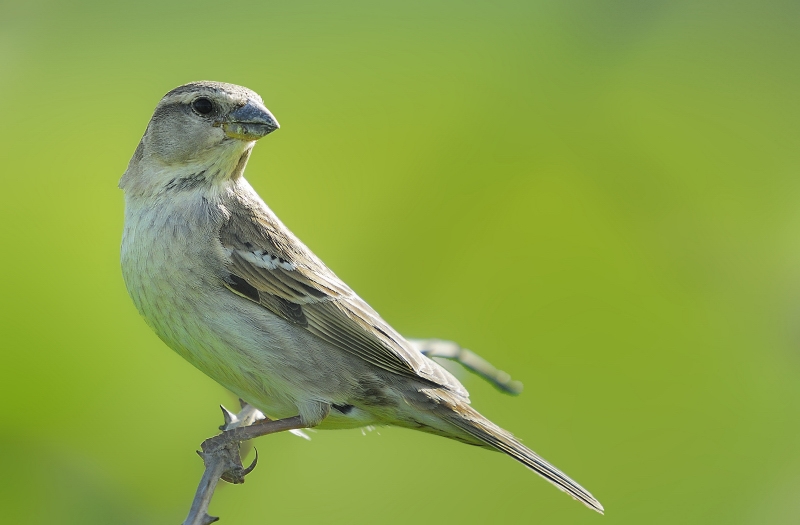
<point>202,105</point>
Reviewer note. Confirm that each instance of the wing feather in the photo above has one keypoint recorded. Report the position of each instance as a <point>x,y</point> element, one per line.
<point>292,283</point>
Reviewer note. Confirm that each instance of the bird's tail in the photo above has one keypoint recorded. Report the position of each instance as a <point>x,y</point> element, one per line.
<point>473,423</point>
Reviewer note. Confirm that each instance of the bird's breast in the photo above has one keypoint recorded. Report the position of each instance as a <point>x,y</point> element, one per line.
<point>171,267</point>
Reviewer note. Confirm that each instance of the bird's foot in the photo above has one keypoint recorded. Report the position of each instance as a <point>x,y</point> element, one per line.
<point>222,460</point>
<point>223,452</point>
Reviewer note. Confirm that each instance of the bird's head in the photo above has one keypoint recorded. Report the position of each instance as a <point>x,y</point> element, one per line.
<point>200,132</point>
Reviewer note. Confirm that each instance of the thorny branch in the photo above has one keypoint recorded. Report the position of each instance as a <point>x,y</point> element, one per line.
<point>221,455</point>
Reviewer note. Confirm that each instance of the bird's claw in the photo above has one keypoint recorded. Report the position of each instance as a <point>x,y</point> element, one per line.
<point>252,466</point>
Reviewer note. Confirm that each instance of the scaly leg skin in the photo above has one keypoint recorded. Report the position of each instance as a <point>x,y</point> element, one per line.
<point>469,360</point>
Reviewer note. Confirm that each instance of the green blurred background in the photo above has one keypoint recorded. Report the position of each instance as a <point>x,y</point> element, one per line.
<point>599,197</point>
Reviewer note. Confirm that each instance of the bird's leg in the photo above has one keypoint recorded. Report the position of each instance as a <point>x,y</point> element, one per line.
<point>222,461</point>
<point>469,360</point>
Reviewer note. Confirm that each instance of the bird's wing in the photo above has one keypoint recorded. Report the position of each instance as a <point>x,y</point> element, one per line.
<point>270,266</point>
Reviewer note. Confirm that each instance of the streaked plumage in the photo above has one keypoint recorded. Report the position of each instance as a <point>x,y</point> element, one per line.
<point>225,284</point>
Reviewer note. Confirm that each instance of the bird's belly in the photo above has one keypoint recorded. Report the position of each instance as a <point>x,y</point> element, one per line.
<point>273,365</point>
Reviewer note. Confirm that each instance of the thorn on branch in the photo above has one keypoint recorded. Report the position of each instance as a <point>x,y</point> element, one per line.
<point>228,416</point>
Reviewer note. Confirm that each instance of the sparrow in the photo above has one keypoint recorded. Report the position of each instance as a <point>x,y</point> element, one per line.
<point>220,279</point>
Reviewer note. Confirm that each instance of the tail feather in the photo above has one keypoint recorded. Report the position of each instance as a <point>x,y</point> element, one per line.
<point>473,423</point>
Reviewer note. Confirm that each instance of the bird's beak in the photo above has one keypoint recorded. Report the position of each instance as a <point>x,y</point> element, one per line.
<point>249,122</point>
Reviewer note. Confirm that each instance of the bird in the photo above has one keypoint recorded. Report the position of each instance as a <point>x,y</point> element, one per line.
<point>225,284</point>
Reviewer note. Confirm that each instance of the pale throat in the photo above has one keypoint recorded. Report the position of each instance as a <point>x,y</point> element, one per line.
<point>223,164</point>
